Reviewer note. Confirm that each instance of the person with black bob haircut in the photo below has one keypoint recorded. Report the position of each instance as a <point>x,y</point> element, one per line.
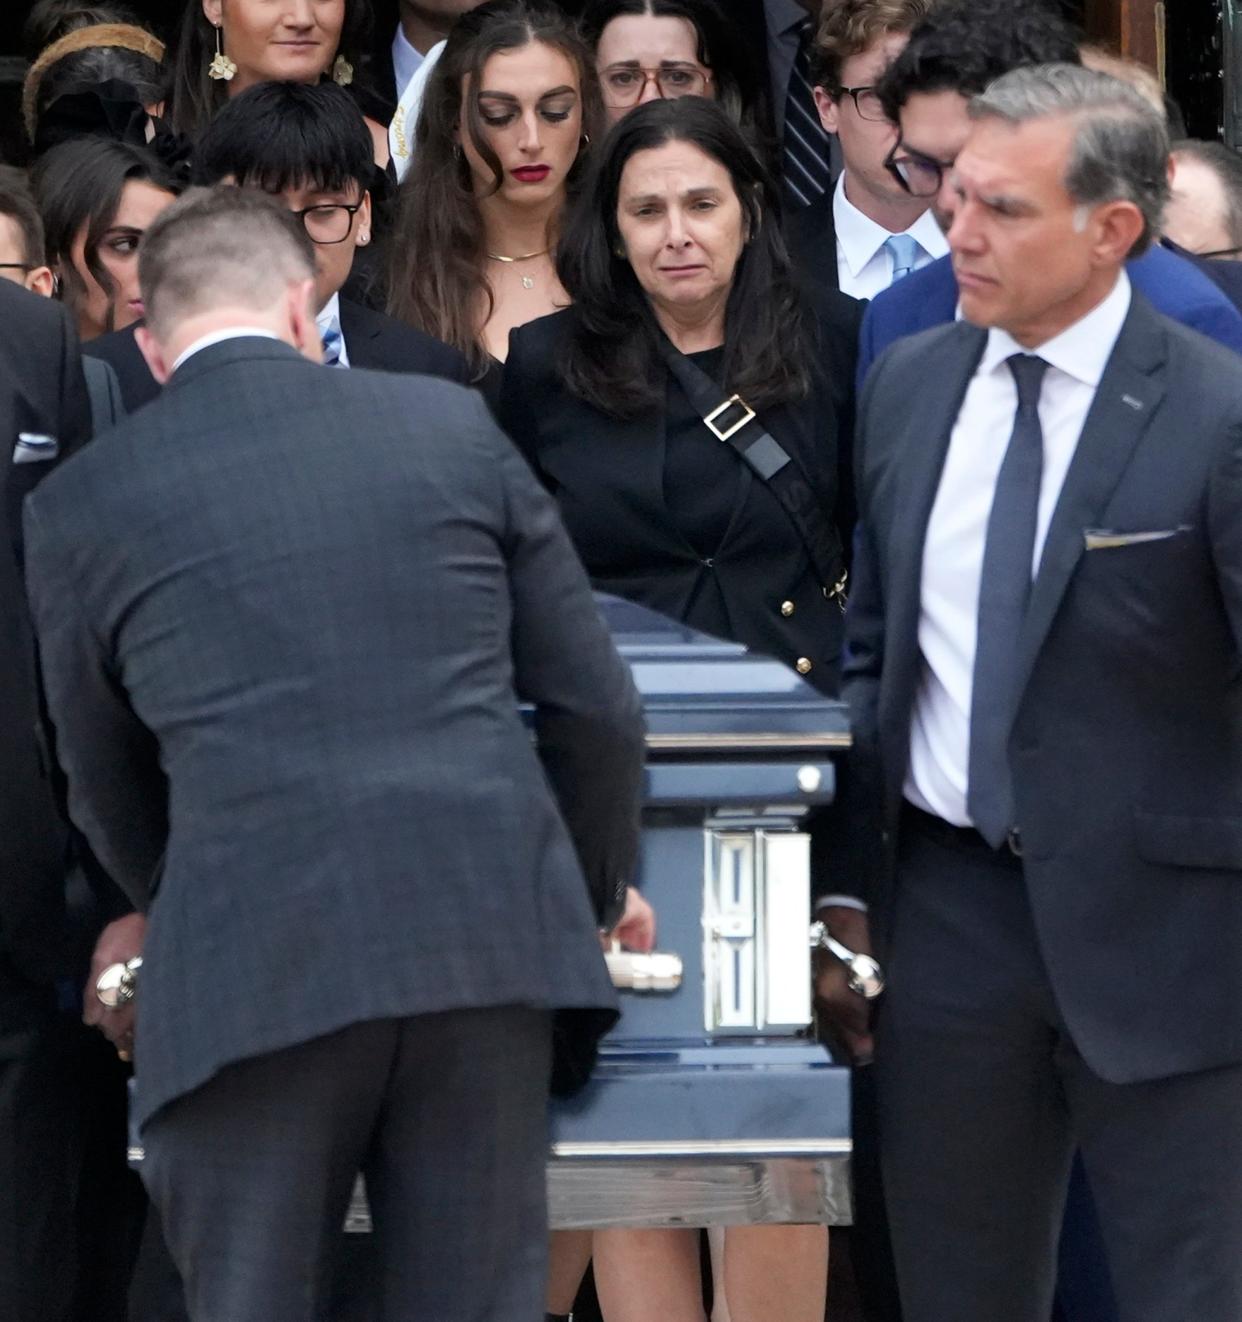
<point>682,298</point>
<point>309,146</point>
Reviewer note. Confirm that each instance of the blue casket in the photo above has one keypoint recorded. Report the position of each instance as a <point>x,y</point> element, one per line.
<point>713,1103</point>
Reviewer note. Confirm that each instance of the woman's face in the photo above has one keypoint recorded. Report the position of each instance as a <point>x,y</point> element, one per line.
<point>530,108</point>
<point>97,309</point>
<point>277,40</point>
<point>681,225</point>
<point>640,57</point>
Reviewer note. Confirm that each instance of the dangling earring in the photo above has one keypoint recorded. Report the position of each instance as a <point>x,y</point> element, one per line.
<point>222,69</point>
<point>342,72</point>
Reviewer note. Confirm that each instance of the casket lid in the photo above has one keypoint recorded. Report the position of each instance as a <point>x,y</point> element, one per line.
<point>707,697</point>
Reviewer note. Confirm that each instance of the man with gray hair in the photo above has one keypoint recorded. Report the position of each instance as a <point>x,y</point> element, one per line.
<point>1042,665</point>
<point>286,616</point>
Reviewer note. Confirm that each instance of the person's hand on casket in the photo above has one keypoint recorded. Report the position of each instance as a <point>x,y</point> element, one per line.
<point>118,943</point>
<point>637,928</point>
<point>844,1015</point>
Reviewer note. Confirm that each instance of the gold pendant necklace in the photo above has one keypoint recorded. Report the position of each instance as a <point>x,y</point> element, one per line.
<point>528,281</point>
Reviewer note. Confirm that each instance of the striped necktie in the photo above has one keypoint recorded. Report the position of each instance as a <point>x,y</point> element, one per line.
<point>808,161</point>
<point>332,342</point>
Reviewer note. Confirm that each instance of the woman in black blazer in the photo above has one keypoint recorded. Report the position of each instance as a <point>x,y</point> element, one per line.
<point>682,300</point>
<point>675,247</point>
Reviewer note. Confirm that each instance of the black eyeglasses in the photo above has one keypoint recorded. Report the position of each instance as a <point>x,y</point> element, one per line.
<point>919,175</point>
<point>329,222</point>
<point>16,266</point>
<point>866,101</point>
<point>1219,252</point>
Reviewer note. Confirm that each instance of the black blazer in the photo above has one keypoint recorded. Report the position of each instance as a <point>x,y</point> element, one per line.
<point>313,653</point>
<point>42,393</point>
<point>1126,746</point>
<point>607,476</point>
<point>372,340</point>
<point>811,234</point>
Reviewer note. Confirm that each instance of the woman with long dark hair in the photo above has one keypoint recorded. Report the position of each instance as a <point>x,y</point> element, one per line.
<point>506,113</point>
<point>692,417</point>
<point>97,198</point>
<point>648,49</point>
<point>224,46</point>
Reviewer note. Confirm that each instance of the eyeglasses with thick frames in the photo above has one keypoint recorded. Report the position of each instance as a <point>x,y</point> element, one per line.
<point>624,84</point>
<point>866,101</point>
<point>1219,252</point>
<point>24,267</point>
<point>329,222</point>
<point>919,175</point>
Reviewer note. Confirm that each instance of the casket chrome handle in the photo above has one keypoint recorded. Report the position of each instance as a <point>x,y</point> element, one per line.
<point>660,970</point>
<point>863,974</point>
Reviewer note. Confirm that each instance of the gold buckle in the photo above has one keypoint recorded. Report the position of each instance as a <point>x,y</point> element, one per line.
<point>724,408</point>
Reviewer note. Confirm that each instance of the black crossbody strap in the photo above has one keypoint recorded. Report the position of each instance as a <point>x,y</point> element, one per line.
<point>735,423</point>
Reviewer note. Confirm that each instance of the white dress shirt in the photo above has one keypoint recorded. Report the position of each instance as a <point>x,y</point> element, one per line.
<point>329,318</point>
<point>953,548</point>
<point>219,337</point>
<point>405,60</point>
<point>864,267</point>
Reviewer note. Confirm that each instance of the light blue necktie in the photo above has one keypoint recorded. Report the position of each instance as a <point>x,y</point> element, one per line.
<point>332,343</point>
<point>904,251</point>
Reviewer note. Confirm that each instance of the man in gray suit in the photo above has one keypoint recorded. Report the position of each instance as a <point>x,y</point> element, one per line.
<point>286,618</point>
<point>1043,667</point>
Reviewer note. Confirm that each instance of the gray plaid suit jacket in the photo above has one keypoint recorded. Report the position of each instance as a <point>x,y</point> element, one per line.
<point>285,619</point>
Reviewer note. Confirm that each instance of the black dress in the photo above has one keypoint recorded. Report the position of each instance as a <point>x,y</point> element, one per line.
<point>663,514</point>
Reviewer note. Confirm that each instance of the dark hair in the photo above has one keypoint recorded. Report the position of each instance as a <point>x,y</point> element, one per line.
<point>287,135</point>
<point>18,204</point>
<point>80,183</point>
<point>438,260</point>
<point>51,19</point>
<point>1226,164</point>
<point>195,98</point>
<point>733,71</point>
<point>613,359</point>
<point>963,45</point>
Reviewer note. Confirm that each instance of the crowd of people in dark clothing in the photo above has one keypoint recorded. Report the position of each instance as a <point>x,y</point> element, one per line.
<point>603,223</point>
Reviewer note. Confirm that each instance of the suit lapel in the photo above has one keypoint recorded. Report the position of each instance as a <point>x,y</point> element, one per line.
<point>1125,403</point>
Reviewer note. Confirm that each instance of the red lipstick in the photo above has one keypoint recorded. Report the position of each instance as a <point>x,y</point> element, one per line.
<point>531,174</point>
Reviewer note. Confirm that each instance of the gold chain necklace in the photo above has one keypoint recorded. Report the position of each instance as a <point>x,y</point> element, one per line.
<point>528,281</point>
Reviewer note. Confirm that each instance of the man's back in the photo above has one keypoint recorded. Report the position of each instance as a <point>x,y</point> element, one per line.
<point>320,610</point>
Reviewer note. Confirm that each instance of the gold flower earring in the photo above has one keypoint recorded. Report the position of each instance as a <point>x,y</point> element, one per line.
<point>342,72</point>
<point>222,69</point>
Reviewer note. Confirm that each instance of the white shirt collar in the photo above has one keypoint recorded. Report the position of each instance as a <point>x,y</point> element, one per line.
<point>1082,350</point>
<point>329,313</point>
<point>405,60</point>
<point>219,337</point>
<point>859,237</point>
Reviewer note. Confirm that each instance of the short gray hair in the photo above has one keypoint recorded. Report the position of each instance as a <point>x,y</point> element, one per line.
<point>220,247</point>
<point>1120,150</point>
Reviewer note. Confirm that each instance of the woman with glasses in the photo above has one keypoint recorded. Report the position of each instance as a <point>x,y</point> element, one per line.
<point>97,198</point>
<point>683,298</point>
<point>506,114</point>
<point>651,49</point>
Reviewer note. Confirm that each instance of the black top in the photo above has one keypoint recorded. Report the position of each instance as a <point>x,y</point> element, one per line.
<point>663,514</point>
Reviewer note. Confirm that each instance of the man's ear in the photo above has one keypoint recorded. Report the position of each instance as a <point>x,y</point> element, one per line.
<point>829,110</point>
<point>41,281</point>
<point>363,221</point>
<point>1118,226</point>
<point>161,368</point>
<point>304,333</point>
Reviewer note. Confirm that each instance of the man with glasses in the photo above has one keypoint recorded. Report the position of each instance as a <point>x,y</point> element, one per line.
<point>310,147</point>
<point>869,230</point>
<point>960,48</point>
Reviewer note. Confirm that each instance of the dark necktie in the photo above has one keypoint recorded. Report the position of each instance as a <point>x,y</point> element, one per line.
<point>808,161</point>
<point>1004,590</point>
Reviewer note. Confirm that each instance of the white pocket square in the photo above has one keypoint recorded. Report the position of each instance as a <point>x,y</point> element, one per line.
<point>34,449</point>
<point>1106,539</point>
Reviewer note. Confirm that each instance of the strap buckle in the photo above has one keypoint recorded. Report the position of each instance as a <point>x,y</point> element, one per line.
<point>724,433</point>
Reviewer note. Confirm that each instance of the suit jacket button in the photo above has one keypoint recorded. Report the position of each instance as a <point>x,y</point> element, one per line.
<point>802,666</point>
<point>787,608</point>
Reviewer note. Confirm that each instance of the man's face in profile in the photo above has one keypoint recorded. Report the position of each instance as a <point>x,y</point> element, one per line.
<point>934,128</point>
